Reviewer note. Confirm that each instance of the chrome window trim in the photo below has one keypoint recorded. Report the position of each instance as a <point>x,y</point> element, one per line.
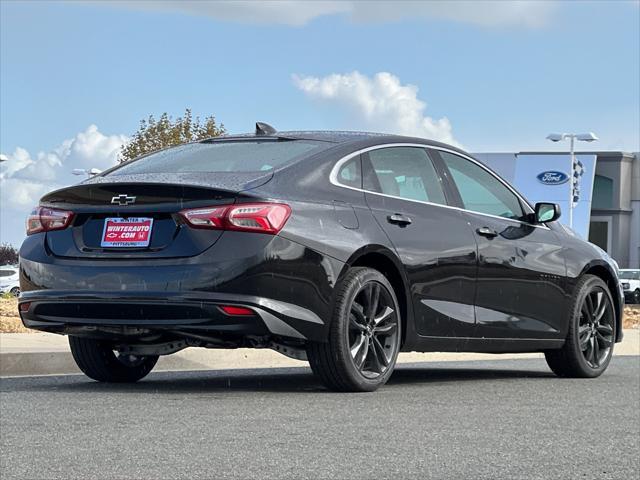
<point>333,178</point>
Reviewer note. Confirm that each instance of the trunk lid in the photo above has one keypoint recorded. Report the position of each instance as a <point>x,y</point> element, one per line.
<point>95,201</point>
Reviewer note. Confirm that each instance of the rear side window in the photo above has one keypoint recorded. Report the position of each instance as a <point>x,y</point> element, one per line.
<point>480,190</point>
<point>350,175</point>
<point>405,172</point>
<point>7,273</point>
<point>229,156</point>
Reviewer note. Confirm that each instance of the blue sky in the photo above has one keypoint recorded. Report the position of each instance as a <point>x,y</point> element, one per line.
<point>495,78</point>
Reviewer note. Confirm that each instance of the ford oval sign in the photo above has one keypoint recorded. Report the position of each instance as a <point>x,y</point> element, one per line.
<point>553,177</point>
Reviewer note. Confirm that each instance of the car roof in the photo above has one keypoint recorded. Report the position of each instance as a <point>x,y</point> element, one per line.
<point>343,138</point>
<point>332,136</point>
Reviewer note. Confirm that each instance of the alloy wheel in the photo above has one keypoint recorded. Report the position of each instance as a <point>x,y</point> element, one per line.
<point>596,327</point>
<point>373,330</point>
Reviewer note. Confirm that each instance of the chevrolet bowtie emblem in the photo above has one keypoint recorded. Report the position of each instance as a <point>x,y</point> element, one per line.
<point>123,199</point>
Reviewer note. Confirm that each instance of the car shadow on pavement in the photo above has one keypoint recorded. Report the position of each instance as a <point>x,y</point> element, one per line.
<point>291,380</point>
<point>423,374</point>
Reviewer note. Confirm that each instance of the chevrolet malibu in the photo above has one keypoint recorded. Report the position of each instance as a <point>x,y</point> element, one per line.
<point>340,248</point>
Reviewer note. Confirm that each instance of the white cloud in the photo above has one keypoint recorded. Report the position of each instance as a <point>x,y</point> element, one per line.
<point>380,103</point>
<point>25,178</point>
<point>286,12</point>
<point>486,13</point>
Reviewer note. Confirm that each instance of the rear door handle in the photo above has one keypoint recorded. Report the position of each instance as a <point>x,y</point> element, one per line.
<point>487,232</point>
<point>399,219</point>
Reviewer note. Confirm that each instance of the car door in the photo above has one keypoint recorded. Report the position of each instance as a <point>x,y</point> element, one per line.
<point>520,267</point>
<point>433,241</point>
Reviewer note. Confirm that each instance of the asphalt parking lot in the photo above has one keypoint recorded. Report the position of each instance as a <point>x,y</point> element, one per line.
<point>497,419</point>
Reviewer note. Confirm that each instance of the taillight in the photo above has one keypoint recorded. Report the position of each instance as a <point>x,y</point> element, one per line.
<point>205,217</point>
<point>266,217</point>
<point>44,219</point>
<point>246,217</point>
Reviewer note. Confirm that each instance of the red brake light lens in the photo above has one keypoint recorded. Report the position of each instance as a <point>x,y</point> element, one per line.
<point>247,217</point>
<point>44,219</point>
<point>236,311</point>
<point>267,217</point>
<point>205,217</point>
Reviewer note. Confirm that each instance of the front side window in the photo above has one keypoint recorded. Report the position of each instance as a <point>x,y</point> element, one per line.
<point>481,191</point>
<point>405,172</point>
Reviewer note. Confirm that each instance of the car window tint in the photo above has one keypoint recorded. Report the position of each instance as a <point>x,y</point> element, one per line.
<point>349,174</point>
<point>405,172</point>
<point>6,273</point>
<point>223,156</point>
<point>480,190</point>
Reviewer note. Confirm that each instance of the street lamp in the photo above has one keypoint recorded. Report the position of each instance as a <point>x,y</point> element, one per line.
<point>581,137</point>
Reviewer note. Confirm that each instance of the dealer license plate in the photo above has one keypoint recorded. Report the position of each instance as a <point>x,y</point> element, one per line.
<point>126,232</point>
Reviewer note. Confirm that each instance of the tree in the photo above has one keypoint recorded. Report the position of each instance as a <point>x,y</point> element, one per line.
<point>165,132</point>
<point>8,254</point>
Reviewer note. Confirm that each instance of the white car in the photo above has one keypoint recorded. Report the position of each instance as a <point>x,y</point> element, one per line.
<point>9,280</point>
<point>630,280</point>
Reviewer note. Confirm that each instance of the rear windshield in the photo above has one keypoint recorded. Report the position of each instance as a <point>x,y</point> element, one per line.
<point>230,156</point>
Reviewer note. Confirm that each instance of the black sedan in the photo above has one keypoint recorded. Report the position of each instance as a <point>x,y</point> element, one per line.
<point>342,248</point>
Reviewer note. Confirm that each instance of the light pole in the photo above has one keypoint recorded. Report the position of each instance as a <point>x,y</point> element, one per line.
<point>581,137</point>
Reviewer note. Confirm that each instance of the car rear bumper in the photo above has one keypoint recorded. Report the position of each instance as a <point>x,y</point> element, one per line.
<point>288,286</point>
<point>145,313</point>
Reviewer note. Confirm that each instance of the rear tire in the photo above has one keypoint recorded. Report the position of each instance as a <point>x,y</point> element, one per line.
<point>588,347</point>
<point>15,291</point>
<point>364,336</point>
<point>98,361</point>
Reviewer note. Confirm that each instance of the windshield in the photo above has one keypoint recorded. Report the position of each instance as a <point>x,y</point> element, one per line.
<point>225,156</point>
<point>630,274</point>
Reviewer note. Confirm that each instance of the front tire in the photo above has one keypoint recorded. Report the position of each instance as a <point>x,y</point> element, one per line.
<point>15,291</point>
<point>99,361</point>
<point>364,337</point>
<point>588,347</point>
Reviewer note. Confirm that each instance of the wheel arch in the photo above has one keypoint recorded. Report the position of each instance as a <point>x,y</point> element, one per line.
<point>387,262</point>
<point>604,271</point>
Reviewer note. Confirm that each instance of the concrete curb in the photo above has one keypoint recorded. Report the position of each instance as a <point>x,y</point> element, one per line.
<point>47,354</point>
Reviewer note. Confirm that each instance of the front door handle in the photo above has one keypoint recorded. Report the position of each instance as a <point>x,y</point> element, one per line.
<point>487,232</point>
<point>399,219</point>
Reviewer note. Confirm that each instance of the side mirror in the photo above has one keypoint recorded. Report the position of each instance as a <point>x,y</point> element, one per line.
<point>547,212</point>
